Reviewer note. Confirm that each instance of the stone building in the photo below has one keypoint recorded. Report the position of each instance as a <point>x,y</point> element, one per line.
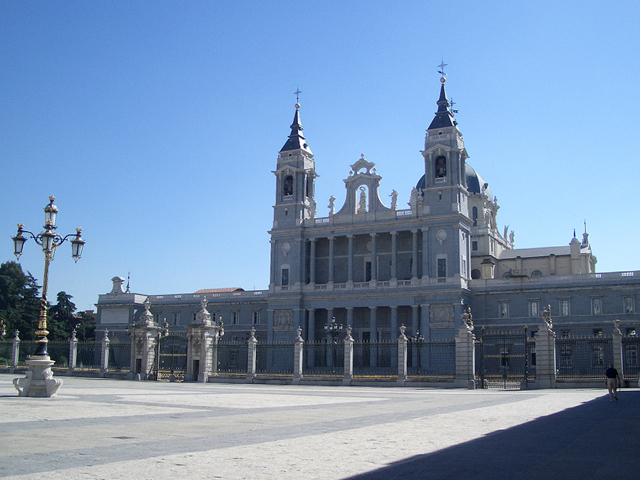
<point>376,267</point>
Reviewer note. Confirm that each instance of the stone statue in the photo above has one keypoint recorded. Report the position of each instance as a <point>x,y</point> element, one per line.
<point>394,200</point>
<point>504,233</point>
<point>413,200</point>
<point>511,236</point>
<point>362,206</point>
<point>331,207</point>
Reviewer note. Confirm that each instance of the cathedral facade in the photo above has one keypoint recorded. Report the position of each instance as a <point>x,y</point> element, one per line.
<point>376,267</point>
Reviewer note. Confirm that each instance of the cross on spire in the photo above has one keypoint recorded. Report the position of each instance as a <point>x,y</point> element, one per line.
<point>297,94</point>
<point>441,67</point>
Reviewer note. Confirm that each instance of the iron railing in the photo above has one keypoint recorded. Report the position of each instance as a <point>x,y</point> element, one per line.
<point>583,357</point>
<point>434,358</point>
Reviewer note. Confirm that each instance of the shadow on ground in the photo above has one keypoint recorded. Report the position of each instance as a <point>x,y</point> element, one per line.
<point>597,439</point>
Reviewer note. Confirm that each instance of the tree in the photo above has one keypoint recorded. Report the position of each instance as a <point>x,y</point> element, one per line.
<point>19,301</point>
<point>86,326</point>
<point>61,320</point>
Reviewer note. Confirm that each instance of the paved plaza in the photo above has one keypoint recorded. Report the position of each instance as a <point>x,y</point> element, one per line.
<point>115,429</point>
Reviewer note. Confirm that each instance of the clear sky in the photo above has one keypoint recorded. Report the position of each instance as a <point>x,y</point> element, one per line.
<point>157,124</point>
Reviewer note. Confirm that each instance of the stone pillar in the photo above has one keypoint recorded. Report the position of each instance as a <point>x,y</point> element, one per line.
<point>394,258</point>
<point>144,337</point>
<point>350,261</point>
<point>545,354</point>
<point>331,259</point>
<point>73,352</point>
<point>424,321</point>
<point>312,261</point>
<point>402,357</point>
<point>15,351</point>
<point>251,355</point>
<point>202,347</point>
<point>414,257</point>
<point>374,260</point>
<point>394,328</point>
<point>415,316</point>
<point>298,345</point>
<point>311,337</point>
<point>104,354</point>
<point>373,328</point>
<point>466,354</point>
<point>425,253</point>
<point>348,358</point>
<point>349,317</point>
<point>618,353</point>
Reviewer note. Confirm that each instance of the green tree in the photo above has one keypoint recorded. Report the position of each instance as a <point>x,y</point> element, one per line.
<point>19,300</point>
<point>61,320</point>
<point>86,327</point>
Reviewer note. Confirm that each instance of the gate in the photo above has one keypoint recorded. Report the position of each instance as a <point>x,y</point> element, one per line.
<point>503,359</point>
<point>171,358</point>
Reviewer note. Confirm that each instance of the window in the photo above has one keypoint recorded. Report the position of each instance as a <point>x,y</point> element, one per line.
<point>285,277</point>
<point>536,273</point>
<point>193,317</point>
<point>475,274</point>
<point>564,307</point>
<point>630,356</point>
<point>597,355</point>
<point>474,246</point>
<point>256,317</point>
<point>441,167</point>
<point>176,318</point>
<point>475,216</point>
<point>287,189</point>
<point>629,305</point>
<point>442,268</point>
<point>596,306</point>
<point>597,332</point>
<point>533,308</point>
<point>503,309</point>
<point>235,318</point>
<point>566,356</point>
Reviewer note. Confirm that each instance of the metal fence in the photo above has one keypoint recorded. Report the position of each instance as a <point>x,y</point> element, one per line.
<point>59,353</point>
<point>323,358</point>
<point>6,349</point>
<point>583,357</point>
<point>436,359</point>
<point>504,359</point>
<point>119,357</point>
<point>274,358</point>
<point>375,359</point>
<point>26,348</point>
<point>88,356</point>
<point>631,356</point>
<point>232,357</point>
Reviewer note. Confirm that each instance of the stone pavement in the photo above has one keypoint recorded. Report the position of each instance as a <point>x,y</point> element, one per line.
<point>115,429</point>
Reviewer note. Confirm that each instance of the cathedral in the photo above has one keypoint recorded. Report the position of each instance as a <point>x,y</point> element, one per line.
<point>375,267</point>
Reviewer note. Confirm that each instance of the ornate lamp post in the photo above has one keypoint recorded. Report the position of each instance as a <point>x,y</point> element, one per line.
<point>333,330</point>
<point>417,341</point>
<point>49,240</point>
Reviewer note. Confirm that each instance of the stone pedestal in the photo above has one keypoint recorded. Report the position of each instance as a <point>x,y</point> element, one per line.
<point>545,356</point>
<point>39,381</point>
<point>465,355</point>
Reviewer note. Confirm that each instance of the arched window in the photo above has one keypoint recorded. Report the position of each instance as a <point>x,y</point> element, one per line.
<point>441,167</point>
<point>288,185</point>
<point>536,273</point>
<point>475,216</point>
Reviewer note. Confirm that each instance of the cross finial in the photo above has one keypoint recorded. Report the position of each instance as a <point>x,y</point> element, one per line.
<point>451,104</point>
<point>441,67</point>
<point>297,94</point>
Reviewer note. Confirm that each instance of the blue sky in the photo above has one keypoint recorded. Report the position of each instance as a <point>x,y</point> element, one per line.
<point>157,124</point>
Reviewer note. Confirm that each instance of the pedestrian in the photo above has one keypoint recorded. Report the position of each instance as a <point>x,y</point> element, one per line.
<point>612,380</point>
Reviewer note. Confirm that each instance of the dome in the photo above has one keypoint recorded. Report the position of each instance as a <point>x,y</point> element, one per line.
<point>474,183</point>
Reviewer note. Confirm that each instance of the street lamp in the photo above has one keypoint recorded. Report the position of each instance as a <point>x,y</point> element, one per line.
<point>333,330</point>
<point>49,240</point>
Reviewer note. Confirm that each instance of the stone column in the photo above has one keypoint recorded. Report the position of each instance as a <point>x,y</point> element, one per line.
<point>348,358</point>
<point>374,260</point>
<point>349,316</point>
<point>424,321</point>
<point>373,328</point>
<point>104,354</point>
<point>312,261</point>
<point>394,327</point>
<point>414,256</point>
<point>298,344</point>
<point>350,261</point>
<point>274,275</point>
<point>402,357</point>
<point>618,353</point>
<point>466,354</point>
<point>15,351</point>
<point>546,354</point>
<point>394,258</point>
<point>331,259</point>
<point>425,253</point>
<point>73,352</point>
<point>251,355</point>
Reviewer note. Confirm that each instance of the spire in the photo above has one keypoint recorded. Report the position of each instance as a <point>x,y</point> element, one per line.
<point>444,116</point>
<point>296,140</point>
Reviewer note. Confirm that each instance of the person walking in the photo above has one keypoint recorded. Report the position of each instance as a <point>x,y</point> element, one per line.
<point>612,380</point>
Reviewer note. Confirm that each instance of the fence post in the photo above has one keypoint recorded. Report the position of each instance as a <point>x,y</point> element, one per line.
<point>15,352</point>
<point>347,374</point>
<point>73,351</point>
<point>402,357</point>
<point>618,363</point>
<point>466,353</point>
<point>251,355</point>
<point>546,353</point>
<point>104,354</point>
<point>298,343</point>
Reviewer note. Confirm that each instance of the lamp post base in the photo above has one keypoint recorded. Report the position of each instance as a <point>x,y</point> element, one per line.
<point>39,381</point>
